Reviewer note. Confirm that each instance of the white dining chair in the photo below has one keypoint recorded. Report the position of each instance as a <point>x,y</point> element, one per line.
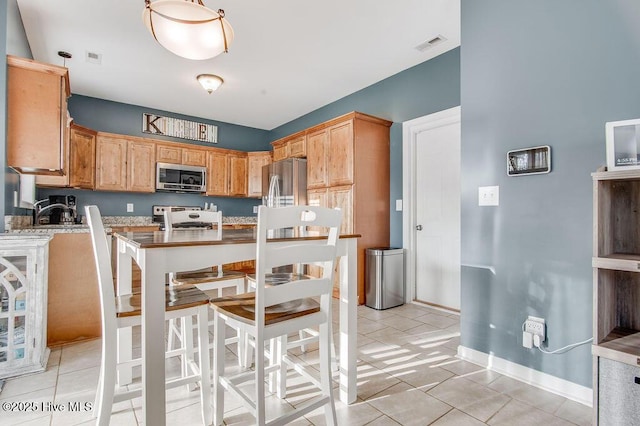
<point>124,311</point>
<point>276,311</point>
<point>212,280</point>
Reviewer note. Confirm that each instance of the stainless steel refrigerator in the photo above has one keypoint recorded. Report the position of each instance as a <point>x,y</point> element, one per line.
<point>284,183</point>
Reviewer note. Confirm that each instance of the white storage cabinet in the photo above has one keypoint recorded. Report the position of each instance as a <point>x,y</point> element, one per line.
<point>23,304</point>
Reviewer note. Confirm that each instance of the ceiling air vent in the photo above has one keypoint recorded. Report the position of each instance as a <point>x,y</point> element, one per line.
<point>430,43</point>
<point>94,58</point>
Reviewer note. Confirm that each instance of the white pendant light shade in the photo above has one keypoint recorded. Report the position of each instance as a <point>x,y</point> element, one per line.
<point>210,82</point>
<point>188,28</point>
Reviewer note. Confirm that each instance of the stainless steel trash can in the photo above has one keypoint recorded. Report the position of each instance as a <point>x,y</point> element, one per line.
<point>384,279</point>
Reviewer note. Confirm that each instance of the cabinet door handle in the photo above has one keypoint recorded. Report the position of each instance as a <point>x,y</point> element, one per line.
<point>419,228</point>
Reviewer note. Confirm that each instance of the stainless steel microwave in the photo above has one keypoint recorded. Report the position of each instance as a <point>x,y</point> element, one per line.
<point>180,178</point>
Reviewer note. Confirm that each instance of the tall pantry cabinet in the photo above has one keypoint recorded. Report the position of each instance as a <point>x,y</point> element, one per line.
<point>348,167</point>
<point>616,297</point>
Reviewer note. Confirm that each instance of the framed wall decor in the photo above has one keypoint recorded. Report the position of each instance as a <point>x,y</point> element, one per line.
<point>529,161</point>
<point>623,144</point>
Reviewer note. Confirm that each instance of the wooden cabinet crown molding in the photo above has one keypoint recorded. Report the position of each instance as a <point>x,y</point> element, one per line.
<point>31,64</point>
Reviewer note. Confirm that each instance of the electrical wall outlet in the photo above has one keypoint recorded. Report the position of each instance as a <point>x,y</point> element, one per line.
<point>129,207</point>
<point>255,209</point>
<point>534,331</point>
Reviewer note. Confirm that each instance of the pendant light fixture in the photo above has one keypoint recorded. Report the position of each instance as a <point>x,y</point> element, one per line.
<point>210,82</point>
<point>188,28</point>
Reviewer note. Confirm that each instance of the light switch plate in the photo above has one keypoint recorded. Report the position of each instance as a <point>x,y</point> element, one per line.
<point>398,205</point>
<point>488,195</point>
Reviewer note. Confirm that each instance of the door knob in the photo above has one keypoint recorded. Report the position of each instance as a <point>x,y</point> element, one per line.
<point>419,228</point>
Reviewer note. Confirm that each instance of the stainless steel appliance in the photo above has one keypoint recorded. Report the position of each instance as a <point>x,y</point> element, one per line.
<point>284,183</point>
<point>61,209</point>
<point>158,216</point>
<point>180,178</point>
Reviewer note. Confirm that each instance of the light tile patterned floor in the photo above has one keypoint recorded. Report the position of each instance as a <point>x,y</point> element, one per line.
<point>407,374</point>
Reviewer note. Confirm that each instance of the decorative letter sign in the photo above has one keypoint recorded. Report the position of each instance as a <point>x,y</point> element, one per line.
<point>177,128</point>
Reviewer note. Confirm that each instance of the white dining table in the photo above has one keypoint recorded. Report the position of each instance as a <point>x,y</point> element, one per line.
<point>158,253</point>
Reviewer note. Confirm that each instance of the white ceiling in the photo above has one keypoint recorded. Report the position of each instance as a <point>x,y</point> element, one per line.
<point>289,57</point>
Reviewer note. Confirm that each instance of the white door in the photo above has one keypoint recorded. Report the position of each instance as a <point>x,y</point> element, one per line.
<point>435,216</point>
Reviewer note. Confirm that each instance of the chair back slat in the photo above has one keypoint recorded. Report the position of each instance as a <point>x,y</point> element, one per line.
<point>299,253</point>
<point>102,257</point>
<point>192,216</point>
<point>294,290</point>
<point>269,255</point>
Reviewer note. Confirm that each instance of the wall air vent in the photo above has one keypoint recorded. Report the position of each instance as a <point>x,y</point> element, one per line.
<point>430,43</point>
<point>94,58</point>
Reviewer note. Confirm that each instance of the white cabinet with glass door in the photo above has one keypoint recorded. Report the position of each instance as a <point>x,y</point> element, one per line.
<point>23,304</point>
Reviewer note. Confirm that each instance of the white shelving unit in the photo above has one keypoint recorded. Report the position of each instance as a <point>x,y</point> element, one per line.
<point>616,297</point>
<point>23,304</point>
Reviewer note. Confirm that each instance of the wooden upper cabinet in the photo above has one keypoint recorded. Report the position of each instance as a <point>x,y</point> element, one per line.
<point>36,116</point>
<point>291,146</point>
<point>111,163</point>
<point>238,174</point>
<point>217,173</point>
<point>317,144</point>
<point>141,167</point>
<point>168,154</point>
<point>194,157</point>
<point>280,151</point>
<point>256,161</point>
<point>298,146</point>
<point>82,157</point>
<point>227,173</point>
<point>340,158</point>
<point>181,154</point>
<point>124,164</point>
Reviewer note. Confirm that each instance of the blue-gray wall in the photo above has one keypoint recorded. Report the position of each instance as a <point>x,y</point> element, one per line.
<point>538,73</point>
<point>115,117</point>
<point>13,41</point>
<point>3,108</point>
<point>426,88</point>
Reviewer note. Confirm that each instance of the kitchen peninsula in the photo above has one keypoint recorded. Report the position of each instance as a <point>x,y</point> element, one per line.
<point>73,306</point>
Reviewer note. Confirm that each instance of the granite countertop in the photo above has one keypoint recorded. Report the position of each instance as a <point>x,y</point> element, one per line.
<point>22,224</point>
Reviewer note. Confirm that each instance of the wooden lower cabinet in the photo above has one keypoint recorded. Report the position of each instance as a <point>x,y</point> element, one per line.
<point>342,198</point>
<point>73,312</point>
<point>73,299</point>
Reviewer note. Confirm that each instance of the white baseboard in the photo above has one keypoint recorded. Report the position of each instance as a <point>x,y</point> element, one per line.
<point>569,390</point>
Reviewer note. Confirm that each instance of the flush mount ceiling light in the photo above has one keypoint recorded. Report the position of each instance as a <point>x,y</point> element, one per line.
<point>210,82</point>
<point>188,28</point>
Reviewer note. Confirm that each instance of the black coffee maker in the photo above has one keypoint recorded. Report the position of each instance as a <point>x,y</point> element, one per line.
<point>61,215</point>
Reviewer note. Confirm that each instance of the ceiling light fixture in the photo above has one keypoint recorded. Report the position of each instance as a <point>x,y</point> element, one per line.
<point>210,82</point>
<point>188,28</point>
